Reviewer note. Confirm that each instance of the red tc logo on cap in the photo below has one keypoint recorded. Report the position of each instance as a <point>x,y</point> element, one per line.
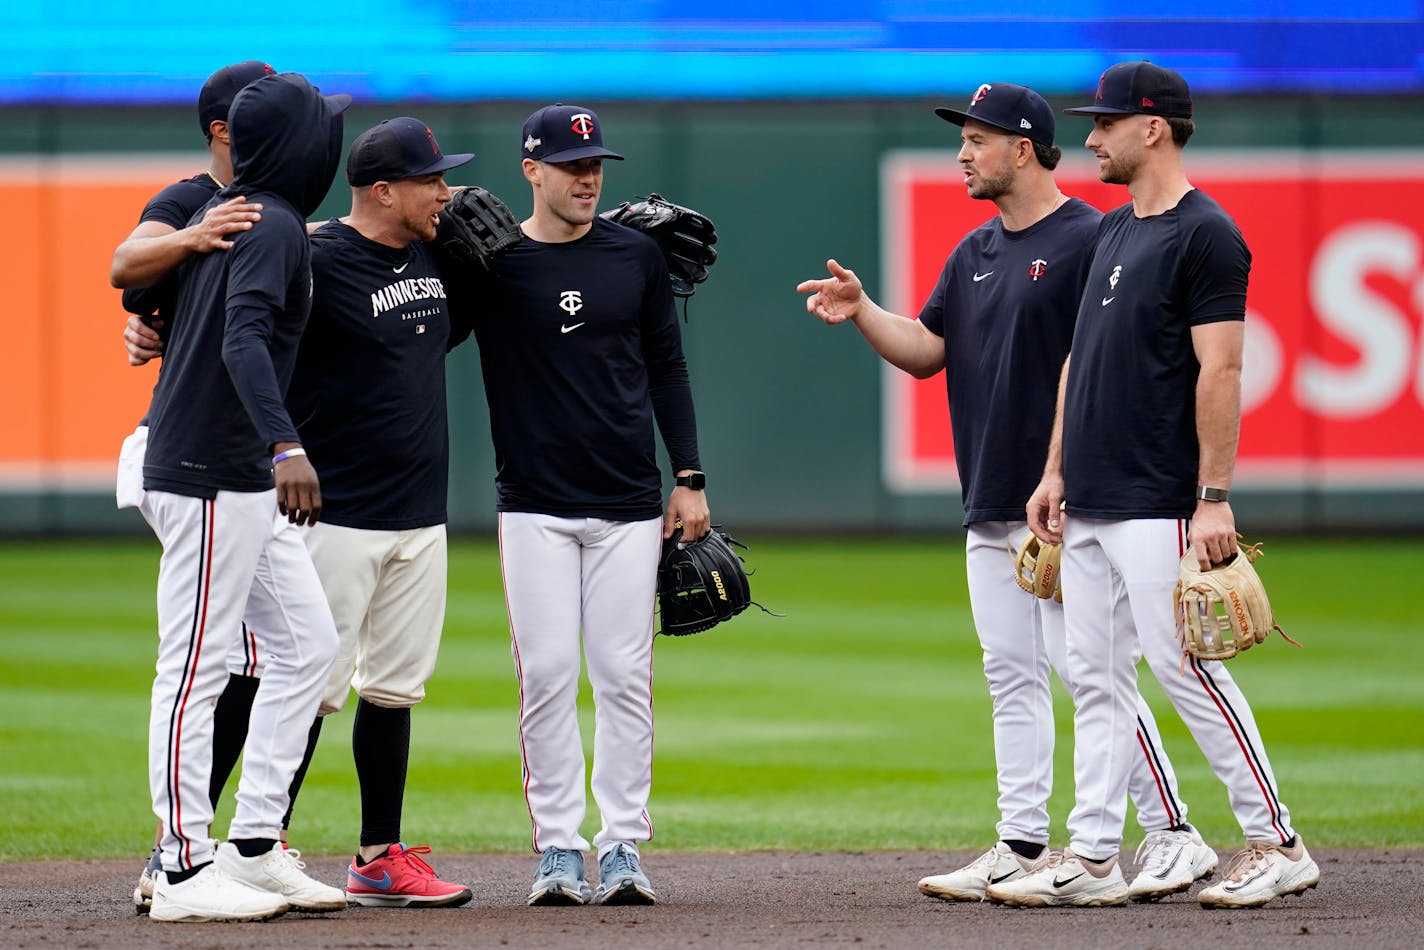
<point>582,123</point>
<point>980,93</point>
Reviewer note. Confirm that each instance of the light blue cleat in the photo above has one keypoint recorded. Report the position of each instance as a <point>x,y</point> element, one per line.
<point>621,879</point>
<point>560,879</point>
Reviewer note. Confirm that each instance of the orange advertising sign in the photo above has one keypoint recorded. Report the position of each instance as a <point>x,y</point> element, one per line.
<point>71,394</point>
<point>1333,378</point>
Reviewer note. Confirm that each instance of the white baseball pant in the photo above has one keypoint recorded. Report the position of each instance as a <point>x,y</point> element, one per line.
<point>563,576</point>
<point>1122,575</point>
<point>225,558</point>
<point>1023,637</point>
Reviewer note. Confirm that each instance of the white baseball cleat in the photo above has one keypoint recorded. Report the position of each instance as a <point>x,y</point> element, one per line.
<point>210,895</point>
<point>1065,880</point>
<point>1262,872</point>
<point>280,872</point>
<point>1172,861</point>
<point>998,865</point>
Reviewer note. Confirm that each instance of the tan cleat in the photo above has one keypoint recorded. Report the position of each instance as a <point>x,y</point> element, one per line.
<point>999,865</point>
<point>1262,872</point>
<point>1065,880</point>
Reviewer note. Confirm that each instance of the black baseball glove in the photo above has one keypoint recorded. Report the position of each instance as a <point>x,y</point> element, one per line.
<point>475,227</point>
<point>685,236</point>
<point>700,583</point>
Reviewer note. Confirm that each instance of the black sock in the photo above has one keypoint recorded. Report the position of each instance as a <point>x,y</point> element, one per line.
<point>361,862</point>
<point>1289,844</point>
<point>178,877</point>
<point>230,718</point>
<point>253,847</point>
<point>1181,826</point>
<point>1025,849</point>
<point>380,744</point>
<point>313,734</point>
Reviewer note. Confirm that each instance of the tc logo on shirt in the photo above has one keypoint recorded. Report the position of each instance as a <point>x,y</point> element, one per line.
<point>571,301</point>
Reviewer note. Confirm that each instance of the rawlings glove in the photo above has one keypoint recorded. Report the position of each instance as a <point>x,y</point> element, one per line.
<point>1222,611</point>
<point>685,236</point>
<point>1036,567</point>
<point>700,583</point>
<point>475,227</point>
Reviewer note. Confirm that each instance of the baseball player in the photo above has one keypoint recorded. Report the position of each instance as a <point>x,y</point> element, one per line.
<point>1144,452</point>
<point>219,437</point>
<point>999,322</point>
<point>369,391</point>
<point>144,267</point>
<point>581,352</point>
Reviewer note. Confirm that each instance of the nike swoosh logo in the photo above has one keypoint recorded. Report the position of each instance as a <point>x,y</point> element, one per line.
<point>979,277</point>
<point>383,884</point>
<point>1108,300</point>
<point>564,329</point>
<point>1058,883</point>
<point>1002,877</point>
<point>401,268</point>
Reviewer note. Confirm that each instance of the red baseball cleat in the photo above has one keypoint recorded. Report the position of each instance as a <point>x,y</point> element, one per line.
<point>399,878</point>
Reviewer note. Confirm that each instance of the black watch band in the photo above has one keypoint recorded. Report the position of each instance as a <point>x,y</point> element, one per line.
<point>1206,493</point>
<point>697,481</point>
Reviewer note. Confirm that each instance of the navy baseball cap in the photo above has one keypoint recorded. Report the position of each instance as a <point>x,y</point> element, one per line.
<point>217,94</point>
<point>1014,109</point>
<point>560,133</point>
<point>1140,88</point>
<point>398,148</point>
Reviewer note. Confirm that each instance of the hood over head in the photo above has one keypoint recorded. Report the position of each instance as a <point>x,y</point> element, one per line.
<point>286,139</point>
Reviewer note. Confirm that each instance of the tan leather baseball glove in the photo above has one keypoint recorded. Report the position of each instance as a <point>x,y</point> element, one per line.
<point>1036,567</point>
<point>1224,610</point>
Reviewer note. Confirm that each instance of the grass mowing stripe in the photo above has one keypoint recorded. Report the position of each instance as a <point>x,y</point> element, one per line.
<point>859,721</point>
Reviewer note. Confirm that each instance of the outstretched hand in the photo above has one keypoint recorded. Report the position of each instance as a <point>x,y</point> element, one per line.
<point>835,299</point>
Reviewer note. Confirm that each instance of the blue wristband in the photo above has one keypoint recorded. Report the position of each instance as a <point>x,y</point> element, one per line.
<point>283,456</point>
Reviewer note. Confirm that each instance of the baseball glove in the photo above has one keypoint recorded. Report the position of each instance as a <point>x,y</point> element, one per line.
<point>1036,567</point>
<point>475,227</point>
<point>1224,610</point>
<point>685,236</point>
<point>700,583</point>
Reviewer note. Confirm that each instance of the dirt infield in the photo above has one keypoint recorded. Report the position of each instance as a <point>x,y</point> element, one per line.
<point>759,899</point>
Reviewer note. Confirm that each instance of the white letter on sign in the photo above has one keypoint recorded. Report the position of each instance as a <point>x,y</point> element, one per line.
<point>1369,323</point>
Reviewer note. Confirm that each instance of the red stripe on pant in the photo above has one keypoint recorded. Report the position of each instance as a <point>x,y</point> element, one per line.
<point>200,622</point>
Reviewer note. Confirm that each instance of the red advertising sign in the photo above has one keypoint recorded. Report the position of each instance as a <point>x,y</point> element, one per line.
<point>1333,379</point>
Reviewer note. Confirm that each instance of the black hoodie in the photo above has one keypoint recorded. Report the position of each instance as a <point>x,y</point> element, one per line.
<point>218,407</point>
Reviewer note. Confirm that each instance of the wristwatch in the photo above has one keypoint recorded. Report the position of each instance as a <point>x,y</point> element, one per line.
<point>1206,493</point>
<point>697,481</point>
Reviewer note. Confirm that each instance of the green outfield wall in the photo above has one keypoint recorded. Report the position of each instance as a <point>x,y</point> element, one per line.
<point>791,413</point>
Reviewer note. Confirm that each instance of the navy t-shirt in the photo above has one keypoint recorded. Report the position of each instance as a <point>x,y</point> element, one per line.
<point>1130,445</point>
<point>581,353</point>
<point>1005,305</point>
<point>368,392</point>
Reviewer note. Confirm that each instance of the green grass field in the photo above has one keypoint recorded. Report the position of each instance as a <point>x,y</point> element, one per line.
<point>860,721</point>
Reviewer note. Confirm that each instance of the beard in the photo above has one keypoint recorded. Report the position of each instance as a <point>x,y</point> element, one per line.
<point>1120,170</point>
<point>986,188</point>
